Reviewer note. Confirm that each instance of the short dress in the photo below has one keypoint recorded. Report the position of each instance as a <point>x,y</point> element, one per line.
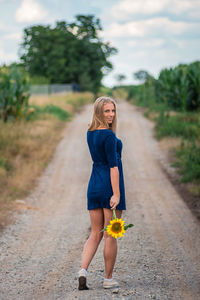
<point>105,149</point>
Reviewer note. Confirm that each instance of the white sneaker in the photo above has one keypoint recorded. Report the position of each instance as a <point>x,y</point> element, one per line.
<point>82,280</point>
<point>109,284</point>
<point>83,273</point>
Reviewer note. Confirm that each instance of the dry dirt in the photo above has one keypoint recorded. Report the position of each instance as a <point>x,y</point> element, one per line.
<point>159,258</point>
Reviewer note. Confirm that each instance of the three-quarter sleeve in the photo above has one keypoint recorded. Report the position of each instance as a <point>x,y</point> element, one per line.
<point>111,150</point>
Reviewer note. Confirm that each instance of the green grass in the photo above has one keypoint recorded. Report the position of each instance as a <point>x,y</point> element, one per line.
<point>186,125</point>
<point>188,162</point>
<point>50,109</point>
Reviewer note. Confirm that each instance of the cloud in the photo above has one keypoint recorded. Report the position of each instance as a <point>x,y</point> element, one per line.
<point>146,43</point>
<point>154,27</point>
<point>127,9</point>
<point>30,11</point>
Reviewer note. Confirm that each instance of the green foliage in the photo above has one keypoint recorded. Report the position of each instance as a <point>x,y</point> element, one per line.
<point>175,98</point>
<point>120,78</point>
<point>68,52</point>
<point>106,91</point>
<point>141,75</point>
<point>143,94</point>
<point>172,87</point>
<point>51,109</point>
<point>193,97</point>
<point>5,164</point>
<point>177,88</point>
<point>133,92</point>
<point>38,80</point>
<point>13,93</point>
<point>185,125</point>
<point>128,226</point>
<point>188,162</point>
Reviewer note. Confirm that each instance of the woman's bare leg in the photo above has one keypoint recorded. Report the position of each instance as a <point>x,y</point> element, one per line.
<point>91,245</point>
<point>110,247</point>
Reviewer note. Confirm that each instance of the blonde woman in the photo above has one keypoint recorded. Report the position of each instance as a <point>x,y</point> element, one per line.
<point>105,189</point>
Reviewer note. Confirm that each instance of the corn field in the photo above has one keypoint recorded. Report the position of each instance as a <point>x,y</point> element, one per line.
<point>14,94</point>
<point>178,88</point>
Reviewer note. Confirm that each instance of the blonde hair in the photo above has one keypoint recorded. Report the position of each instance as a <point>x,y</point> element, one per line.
<point>98,117</point>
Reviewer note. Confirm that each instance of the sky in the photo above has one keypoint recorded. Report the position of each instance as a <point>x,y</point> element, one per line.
<point>149,34</point>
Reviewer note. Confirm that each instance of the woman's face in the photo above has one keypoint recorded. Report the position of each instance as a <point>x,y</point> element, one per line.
<point>109,112</point>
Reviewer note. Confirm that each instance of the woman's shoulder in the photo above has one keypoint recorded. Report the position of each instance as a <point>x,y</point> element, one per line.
<point>106,132</point>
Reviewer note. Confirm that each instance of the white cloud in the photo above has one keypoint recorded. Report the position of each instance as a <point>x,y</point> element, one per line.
<point>155,27</point>
<point>127,9</point>
<point>146,43</point>
<point>183,6</point>
<point>30,11</point>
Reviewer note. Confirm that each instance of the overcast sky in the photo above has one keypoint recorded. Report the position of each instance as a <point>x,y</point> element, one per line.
<point>149,34</point>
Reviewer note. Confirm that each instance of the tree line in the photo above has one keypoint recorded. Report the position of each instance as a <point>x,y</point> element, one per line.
<point>67,52</point>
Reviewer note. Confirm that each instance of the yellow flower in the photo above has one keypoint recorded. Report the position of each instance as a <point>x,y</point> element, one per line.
<point>116,228</point>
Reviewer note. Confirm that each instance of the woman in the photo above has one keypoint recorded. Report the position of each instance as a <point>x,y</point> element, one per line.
<point>105,189</point>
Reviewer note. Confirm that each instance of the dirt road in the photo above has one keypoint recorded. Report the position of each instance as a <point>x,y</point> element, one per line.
<point>159,258</point>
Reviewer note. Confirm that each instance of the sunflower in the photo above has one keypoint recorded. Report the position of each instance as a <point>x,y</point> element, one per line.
<point>116,228</point>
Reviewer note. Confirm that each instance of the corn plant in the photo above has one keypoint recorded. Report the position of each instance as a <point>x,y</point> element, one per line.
<point>193,96</point>
<point>177,88</point>
<point>14,93</point>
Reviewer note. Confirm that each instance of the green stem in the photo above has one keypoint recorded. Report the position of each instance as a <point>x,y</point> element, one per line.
<point>114,214</point>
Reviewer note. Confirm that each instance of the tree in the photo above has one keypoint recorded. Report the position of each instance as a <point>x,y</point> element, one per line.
<point>69,52</point>
<point>120,78</point>
<point>141,75</point>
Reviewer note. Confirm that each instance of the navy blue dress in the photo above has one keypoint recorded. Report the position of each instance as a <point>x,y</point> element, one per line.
<point>105,149</point>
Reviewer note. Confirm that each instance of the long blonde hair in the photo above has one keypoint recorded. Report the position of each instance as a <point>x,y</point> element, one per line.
<point>98,117</point>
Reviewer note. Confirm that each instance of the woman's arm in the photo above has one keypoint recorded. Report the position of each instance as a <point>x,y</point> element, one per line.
<point>114,176</point>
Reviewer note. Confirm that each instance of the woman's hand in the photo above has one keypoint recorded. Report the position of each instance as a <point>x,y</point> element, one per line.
<point>114,175</point>
<point>114,201</point>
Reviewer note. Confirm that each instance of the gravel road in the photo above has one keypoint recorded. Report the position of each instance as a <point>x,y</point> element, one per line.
<point>159,258</point>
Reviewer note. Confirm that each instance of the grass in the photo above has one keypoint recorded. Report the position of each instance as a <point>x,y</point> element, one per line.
<point>78,100</point>
<point>70,102</point>
<point>51,109</point>
<point>27,146</point>
<point>188,162</point>
<point>186,125</point>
